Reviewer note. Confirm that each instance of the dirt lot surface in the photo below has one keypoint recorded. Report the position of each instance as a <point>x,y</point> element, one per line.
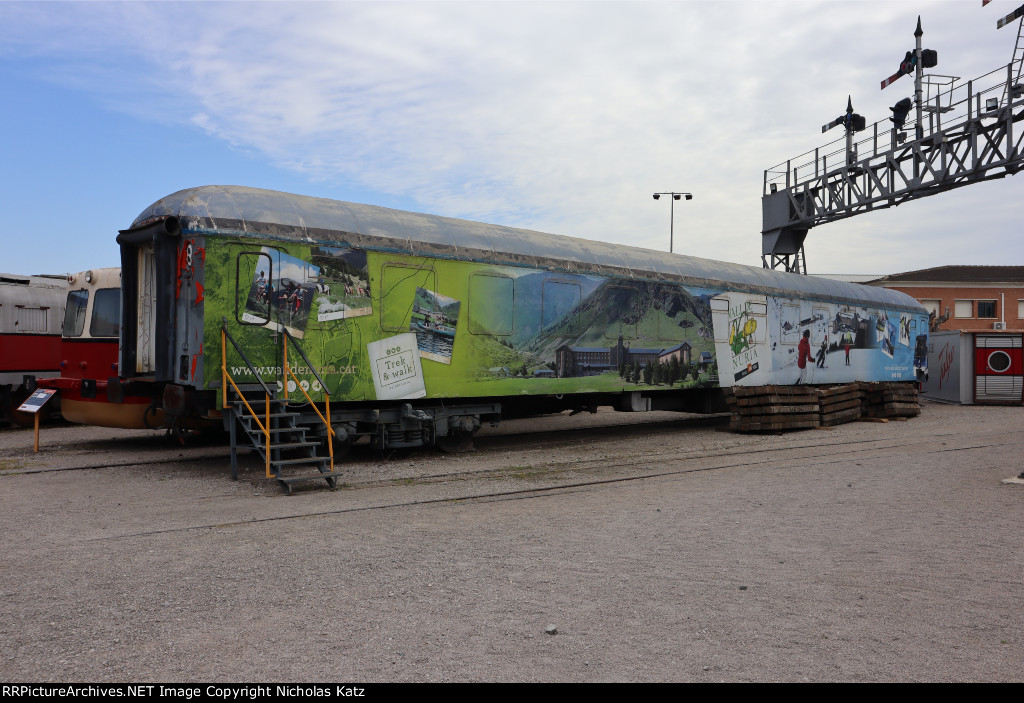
<point>661,547</point>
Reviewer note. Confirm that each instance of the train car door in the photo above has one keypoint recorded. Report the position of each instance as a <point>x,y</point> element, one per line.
<point>998,369</point>
<point>145,297</point>
<point>741,339</point>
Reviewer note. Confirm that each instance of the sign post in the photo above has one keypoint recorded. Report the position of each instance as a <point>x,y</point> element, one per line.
<point>33,404</point>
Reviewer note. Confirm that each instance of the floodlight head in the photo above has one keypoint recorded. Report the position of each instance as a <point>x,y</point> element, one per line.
<point>689,196</point>
<point>675,196</point>
<point>657,196</point>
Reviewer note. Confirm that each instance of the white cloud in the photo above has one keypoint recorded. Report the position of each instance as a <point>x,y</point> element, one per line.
<point>563,117</point>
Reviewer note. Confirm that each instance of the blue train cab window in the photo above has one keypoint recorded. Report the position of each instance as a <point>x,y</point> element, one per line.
<point>560,308</point>
<point>106,313</point>
<point>74,313</point>
<point>491,304</point>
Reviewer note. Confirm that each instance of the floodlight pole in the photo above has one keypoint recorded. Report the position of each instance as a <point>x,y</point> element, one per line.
<point>672,214</point>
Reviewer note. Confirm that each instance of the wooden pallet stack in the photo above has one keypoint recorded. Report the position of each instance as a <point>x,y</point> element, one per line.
<point>840,404</point>
<point>772,408</point>
<point>890,399</point>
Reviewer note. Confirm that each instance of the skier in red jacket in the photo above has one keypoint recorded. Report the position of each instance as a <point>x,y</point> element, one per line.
<point>804,350</point>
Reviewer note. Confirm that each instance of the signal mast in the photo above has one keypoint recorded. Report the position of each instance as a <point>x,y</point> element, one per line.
<point>885,169</point>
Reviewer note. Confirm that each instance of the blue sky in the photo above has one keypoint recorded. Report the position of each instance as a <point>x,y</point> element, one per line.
<point>560,117</point>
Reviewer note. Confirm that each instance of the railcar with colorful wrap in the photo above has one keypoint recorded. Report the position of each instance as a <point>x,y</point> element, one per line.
<point>422,327</point>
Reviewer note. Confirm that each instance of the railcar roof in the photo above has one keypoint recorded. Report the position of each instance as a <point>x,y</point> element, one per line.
<point>298,217</point>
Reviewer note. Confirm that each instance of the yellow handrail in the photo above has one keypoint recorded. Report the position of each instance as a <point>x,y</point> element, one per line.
<point>225,378</point>
<point>327,402</point>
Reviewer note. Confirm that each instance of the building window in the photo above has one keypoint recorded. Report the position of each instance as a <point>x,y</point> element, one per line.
<point>1020,309</point>
<point>932,306</point>
<point>987,308</point>
<point>963,308</point>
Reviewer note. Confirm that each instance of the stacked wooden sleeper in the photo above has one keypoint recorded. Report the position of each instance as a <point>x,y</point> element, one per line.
<point>771,408</point>
<point>840,404</point>
<point>890,399</point>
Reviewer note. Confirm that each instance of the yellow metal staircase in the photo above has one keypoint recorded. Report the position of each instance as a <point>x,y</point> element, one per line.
<point>272,426</point>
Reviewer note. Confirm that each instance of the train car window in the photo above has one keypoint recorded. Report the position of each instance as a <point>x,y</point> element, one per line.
<point>491,304</point>
<point>720,318</point>
<point>29,319</point>
<point>74,313</point>
<point>254,284</point>
<point>789,320</point>
<point>677,321</point>
<point>398,291</point>
<point>621,315</point>
<point>560,308</point>
<point>106,313</point>
<point>819,314</point>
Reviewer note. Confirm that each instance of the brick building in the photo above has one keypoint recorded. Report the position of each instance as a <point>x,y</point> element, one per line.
<point>975,297</point>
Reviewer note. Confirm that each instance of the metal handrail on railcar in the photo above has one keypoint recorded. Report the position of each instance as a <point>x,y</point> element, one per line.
<point>225,377</point>
<point>327,396</point>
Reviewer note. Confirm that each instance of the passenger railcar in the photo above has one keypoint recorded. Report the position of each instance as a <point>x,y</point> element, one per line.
<point>422,327</point>
<point>88,382</point>
<point>31,311</point>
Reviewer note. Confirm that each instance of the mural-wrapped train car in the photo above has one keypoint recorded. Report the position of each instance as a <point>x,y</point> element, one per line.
<point>421,327</point>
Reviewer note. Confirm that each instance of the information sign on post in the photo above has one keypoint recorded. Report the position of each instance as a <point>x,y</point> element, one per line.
<point>33,404</point>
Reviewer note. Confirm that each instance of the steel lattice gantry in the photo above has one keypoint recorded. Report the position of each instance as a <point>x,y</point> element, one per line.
<point>843,179</point>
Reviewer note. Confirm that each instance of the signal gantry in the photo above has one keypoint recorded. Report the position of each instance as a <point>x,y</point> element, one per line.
<point>896,161</point>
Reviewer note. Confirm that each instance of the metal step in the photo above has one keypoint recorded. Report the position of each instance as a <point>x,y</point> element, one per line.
<point>303,460</point>
<point>293,445</point>
<point>273,416</point>
<point>287,481</point>
<point>259,401</point>
<point>252,387</point>
<point>257,432</point>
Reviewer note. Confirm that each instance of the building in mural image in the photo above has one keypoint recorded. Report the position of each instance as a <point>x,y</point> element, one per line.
<point>589,361</point>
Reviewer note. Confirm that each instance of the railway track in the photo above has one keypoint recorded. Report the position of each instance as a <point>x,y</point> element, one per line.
<point>535,439</point>
<point>677,463</point>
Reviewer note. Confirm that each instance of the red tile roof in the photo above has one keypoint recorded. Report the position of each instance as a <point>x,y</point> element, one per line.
<point>959,274</point>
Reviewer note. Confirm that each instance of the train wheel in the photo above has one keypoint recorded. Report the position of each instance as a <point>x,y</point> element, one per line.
<point>457,442</point>
<point>341,447</point>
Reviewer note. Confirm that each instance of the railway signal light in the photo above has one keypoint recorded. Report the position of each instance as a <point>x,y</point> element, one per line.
<point>851,120</point>
<point>1016,14</point>
<point>908,64</point>
<point>927,58</point>
<point>900,111</point>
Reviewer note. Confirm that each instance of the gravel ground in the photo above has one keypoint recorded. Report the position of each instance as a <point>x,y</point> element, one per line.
<point>662,547</point>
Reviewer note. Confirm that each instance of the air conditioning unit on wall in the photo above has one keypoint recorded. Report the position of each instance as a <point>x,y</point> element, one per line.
<point>999,325</point>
